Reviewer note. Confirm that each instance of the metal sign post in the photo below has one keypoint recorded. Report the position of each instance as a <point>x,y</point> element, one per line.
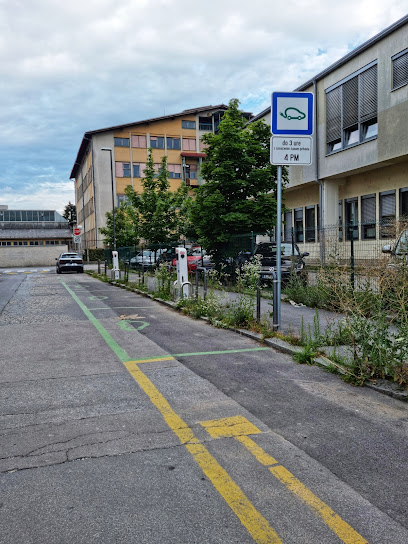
<point>291,144</point>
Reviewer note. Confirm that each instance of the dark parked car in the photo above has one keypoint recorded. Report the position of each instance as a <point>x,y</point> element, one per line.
<point>69,262</point>
<point>292,261</point>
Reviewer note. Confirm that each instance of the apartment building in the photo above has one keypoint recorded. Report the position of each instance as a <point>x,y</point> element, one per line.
<point>359,174</point>
<point>178,136</point>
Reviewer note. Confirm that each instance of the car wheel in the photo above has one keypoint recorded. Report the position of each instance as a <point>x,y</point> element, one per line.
<point>58,271</point>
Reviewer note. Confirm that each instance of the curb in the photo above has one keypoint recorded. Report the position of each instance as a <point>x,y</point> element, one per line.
<point>278,344</point>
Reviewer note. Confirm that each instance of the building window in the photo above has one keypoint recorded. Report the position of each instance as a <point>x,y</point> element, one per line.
<point>387,214</point>
<point>173,143</point>
<point>188,124</point>
<point>122,199</point>
<point>205,123</point>
<point>122,169</point>
<point>351,110</point>
<point>310,226</point>
<point>192,171</point>
<point>138,140</point>
<point>351,213</point>
<point>368,217</point>
<point>138,169</point>
<point>400,69</point>
<point>157,142</point>
<point>403,202</point>
<point>287,229</point>
<point>189,144</point>
<point>299,225</point>
<point>340,220</point>
<point>174,171</point>
<point>121,142</point>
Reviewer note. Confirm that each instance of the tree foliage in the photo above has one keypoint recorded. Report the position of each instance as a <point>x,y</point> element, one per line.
<point>70,213</point>
<point>239,195</point>
<point>126,227</point>
<point>163,214</point>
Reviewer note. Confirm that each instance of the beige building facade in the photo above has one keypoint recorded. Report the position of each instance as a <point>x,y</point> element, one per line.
<point>177,136</point>
<point>359,174</point>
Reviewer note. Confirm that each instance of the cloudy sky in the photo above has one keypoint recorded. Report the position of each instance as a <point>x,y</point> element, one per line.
<point>70,67</point>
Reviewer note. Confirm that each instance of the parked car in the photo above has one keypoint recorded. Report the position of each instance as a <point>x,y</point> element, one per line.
<point>166,256</point>
<point>196,257</point>
<point>292,261</point>
<point>147,258</point>
<point>399,249</point>
<point>69,262</point>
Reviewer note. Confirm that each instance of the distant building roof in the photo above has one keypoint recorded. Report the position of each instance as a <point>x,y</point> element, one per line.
<point>35,234</point>
<point>7,215</point>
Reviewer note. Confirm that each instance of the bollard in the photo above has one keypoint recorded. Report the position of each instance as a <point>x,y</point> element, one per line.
<point>99,266</point>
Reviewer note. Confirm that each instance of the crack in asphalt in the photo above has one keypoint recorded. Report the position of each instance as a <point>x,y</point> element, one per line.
<point>105,456</point>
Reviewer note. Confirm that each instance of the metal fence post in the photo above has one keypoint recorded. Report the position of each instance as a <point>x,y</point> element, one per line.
<point>352,278</point>
<point>205,283</point>
<point>258,304</point>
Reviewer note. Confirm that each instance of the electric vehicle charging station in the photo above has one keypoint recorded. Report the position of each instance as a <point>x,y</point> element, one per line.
<point>182,283</point>
<point>115,265</point>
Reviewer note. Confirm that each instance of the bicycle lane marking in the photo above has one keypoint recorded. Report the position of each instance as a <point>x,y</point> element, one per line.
<point>256,525</point>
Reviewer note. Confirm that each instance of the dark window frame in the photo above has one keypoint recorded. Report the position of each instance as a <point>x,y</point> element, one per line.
<point>368,217</point>
<point>121,142</point>
<point>310,230</point>
<point>298,225</point>
<point>351,109</point>
<point>399,70</point>
<point>189,125</point>
<point>175,143</point>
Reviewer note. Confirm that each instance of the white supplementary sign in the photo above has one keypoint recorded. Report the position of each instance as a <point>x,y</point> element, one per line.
<point>296,150</point>
<point>77,239</point>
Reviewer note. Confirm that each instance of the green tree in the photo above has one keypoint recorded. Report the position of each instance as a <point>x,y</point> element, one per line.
<point>126,227</point>
<point>239,195</point>
<point>163,213</point>
<point>70,213</point>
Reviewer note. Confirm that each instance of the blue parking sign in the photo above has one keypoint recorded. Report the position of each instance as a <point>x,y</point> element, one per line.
<point>292,114</point>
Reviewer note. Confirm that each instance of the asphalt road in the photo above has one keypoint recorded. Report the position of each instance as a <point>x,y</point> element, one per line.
<point>124,421</point>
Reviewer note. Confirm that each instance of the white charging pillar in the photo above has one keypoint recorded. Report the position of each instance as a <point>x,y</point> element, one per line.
<point>182,272</point>
<point>115,265</point>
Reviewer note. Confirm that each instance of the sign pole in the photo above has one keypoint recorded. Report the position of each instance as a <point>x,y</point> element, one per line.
<point>291,145</point>
<point>278,231</point>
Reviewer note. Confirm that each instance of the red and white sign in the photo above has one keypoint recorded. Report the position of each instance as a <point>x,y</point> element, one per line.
<point>77,231</point>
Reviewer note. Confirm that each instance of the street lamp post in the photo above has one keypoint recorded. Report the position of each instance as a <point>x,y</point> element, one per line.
<point>115,261</point>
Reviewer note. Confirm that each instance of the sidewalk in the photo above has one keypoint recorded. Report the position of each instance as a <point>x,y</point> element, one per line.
<point>293,317</point>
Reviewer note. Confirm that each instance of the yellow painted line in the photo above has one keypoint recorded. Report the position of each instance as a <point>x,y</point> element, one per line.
<point>256,525</point>
<point>342,529</point>
<point>239,428</point>
<point>259,454</point>
<point>152,360</point>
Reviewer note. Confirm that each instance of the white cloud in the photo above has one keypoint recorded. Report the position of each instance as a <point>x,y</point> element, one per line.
<point>75,66</point>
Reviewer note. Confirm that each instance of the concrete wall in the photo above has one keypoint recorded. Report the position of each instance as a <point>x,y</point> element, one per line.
<point>19,256</point>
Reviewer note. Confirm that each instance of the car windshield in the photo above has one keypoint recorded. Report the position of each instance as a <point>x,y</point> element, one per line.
<point>402,245</point>
<point>286,249</point>
<point>69,256</point>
